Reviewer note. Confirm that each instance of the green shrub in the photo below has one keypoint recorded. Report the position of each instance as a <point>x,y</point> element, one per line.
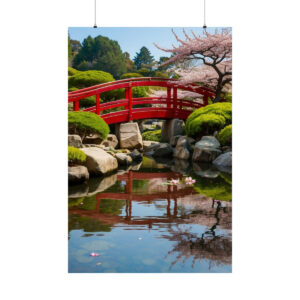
<point>72,71</point>
<point>89,78</point>
<point>160,74</point>
<point>206,120</point>
<point>75,155</point>
<point>130,75</point>
<point>144,71</point>
<point>83,123</point>
<point>225,135</point>
<point>152,135</point>
<point>228,97</point>
<point>140,91</point>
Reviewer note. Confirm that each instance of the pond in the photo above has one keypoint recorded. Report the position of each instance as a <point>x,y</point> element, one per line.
<point>134,222</point>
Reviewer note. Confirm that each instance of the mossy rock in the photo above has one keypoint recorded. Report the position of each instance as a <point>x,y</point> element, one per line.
<point>84,123</point>
<point>75,155</point>
<point>208,119</point>
<point>225,136</point>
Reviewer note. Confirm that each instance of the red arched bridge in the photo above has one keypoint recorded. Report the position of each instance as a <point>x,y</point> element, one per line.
<point>165,107</point>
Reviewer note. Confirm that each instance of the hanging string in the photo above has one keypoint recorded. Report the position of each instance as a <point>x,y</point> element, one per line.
<point>95,24</point>
<point>204,15</point>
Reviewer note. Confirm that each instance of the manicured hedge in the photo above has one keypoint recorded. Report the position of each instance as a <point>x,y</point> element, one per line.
<point>206,120</point>
<point>152,135</point>
<point>225,135</point>
<point>130,75</point>
<point>83,123</point>
<point>89,78</point>
<point>75,155</point>
<point>72,71</point>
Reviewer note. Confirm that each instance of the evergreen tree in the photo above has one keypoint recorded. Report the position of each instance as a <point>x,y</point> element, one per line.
<point>143,58</point>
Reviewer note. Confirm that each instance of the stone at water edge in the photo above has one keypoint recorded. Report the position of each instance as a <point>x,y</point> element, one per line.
<point>74,140</point>
<point>208,142</point>
<point>98,161</point>
<point>100,184</point>
<point>205,154</point>
<point>77,174</point>
<point>123,159</point>
<point>136,156</point>
<point>183,147</point>
<point>130,136</point>
<point>224,160</point>
<point>164,149</point>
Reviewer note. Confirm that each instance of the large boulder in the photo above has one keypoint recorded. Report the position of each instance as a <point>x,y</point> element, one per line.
<point>111,141</point>
<point>164,149</point>
<point>78,174</point>
<point>97,185</point>
<point>74,140</point>
<point>224,160</point>
<point>174,140</point>
<point>98,161</point>
<point>130,136</point>
<point>207,149</point>
<point>171,128</point>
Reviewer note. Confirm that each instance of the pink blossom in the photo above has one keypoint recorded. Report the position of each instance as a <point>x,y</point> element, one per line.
<point>94,254</point>
<point>189,180</point>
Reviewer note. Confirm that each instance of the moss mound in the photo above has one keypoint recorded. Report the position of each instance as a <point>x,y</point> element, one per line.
<point>89,78</point>
<point>152,135</point>
<point>206,120</point>
<point>75,155</point>
<point>82,123</point>
<point>225,135</point>
<point>72,71</point>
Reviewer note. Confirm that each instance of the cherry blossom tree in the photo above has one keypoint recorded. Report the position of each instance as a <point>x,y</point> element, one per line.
<point>214,51</point>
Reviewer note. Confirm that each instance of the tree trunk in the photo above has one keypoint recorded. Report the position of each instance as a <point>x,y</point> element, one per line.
<point>218,95</point>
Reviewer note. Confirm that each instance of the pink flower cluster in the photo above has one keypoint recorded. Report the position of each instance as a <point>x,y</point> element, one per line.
<point>189,180</point>
<point>94,254</point>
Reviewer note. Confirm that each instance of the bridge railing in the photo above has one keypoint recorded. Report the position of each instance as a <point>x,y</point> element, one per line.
<point>169,106</point>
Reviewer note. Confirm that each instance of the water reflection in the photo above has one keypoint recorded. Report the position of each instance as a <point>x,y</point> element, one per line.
<point>151,227</point>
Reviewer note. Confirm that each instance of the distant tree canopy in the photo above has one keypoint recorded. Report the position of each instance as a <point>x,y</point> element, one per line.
<point>101,53</point>
<point>131,67</point>
<point>143,58</point>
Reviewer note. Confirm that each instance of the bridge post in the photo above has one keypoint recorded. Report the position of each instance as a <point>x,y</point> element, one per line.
<point>168,98</point>
<point>175,101</point>
<point>205,99</point>
<point>76,105</point>
<point>130,102</point>
<point>98,104</point>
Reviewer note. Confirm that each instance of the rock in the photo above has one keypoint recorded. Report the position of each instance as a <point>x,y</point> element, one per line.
<point>98,161</point>
<point>208,142</point>
<point>111,141</point>
<point>181,166</point>
<point>207,149</point>
<point>78,174</point>
<point>74,140</point>
<point>183,147</point>
<point>93,139</point>
<point>136,156</point>
<point>130,136</point>
<point>136,167</point>
<point>171,128</point>
<point>78,190</point>
<point>226,149</point>
<point>205,154</point>
<point>123,159</point>
<point>224,160</point>
<point>164,149</point>
<point>174,139</point>
<point>181,152</point>
<point>149,143</point>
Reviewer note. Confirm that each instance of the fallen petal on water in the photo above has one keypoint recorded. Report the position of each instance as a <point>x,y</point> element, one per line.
<point>94,254</point>
<point>98,264</point>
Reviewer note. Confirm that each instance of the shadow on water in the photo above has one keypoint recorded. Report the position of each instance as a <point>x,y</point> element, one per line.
<point>138,223</point>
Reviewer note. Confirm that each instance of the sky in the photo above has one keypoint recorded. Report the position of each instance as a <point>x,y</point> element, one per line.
<point>132,39</point>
